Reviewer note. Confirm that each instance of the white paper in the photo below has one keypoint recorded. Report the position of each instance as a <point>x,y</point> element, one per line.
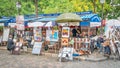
<point>6,34</point>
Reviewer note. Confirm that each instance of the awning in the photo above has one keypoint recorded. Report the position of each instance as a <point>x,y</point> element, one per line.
<point>90,20</point>
<point>13,20</point>
<point>3,20</point>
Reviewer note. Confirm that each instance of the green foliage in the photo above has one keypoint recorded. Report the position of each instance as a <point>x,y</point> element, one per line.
<point>8,7</point>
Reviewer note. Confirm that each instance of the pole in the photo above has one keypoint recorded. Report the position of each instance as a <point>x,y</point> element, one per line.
<point>94,4</point>
<point>36,8</point>
<point>101,31</point>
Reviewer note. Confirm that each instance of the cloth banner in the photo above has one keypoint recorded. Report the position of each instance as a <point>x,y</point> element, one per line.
<point>20,22</point>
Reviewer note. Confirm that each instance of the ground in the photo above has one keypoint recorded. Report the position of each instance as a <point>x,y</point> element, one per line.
<point>27,60</point>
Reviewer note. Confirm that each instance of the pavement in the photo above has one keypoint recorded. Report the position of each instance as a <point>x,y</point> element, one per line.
<point>28,60</point>
<point>95,56</point>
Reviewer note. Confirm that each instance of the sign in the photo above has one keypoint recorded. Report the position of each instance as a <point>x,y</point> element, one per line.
<point>65,32</point>
<point>5,34</point>
<point>37,34</point>
<point>37,48</point>
<point>64,42</point>
<point>52,35</point>
<point>95,24</point>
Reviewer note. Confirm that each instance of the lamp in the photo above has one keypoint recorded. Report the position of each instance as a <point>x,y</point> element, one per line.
<point>18,5</point>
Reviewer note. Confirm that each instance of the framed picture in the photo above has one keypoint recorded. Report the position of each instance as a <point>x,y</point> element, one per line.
<point>65,32</point>
<point>64,42</point>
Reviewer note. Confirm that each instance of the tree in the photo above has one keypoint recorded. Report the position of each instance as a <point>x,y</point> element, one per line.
<point>8,7</point>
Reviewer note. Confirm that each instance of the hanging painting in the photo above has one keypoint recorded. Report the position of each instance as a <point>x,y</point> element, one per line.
<point>37,34</point>
<point>52,35</point>
<point>65,32</point>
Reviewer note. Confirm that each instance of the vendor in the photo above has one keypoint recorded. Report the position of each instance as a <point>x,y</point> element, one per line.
<point>74,32</point>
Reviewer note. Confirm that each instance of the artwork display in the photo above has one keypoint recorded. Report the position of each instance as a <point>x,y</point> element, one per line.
<point>37,34</point>
<point>52,35</point>
<point>37,48</point>
<point>65,32</point>
<point>64,42</point>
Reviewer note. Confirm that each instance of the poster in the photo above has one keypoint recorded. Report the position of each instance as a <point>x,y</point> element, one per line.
<point>65,32</point>
<point>37,48</point>
<point>6,34</point>
<point>64,42</point>
<point>37,34</point>
<point>52,35</point>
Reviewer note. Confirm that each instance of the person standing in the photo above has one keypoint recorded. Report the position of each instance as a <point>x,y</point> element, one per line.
<point>74,32</point>
<point>10,43</point>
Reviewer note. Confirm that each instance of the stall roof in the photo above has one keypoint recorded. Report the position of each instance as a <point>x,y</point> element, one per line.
<point>47,19</point>
<point>3,20</point>
<point>89,18</point>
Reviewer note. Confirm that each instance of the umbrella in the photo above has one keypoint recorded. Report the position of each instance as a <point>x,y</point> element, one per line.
<point>68,17</point>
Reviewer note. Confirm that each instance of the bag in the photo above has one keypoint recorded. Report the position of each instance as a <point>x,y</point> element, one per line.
<point>16,50</point>
<point>9,48</point>
<point>46,47</point>
<point>106,43</point>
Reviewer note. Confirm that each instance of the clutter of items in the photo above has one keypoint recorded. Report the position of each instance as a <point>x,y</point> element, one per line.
<point>68,41</point>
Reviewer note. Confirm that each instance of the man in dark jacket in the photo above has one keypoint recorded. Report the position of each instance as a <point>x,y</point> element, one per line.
<point>74,32</point>
<point>10,44</point>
